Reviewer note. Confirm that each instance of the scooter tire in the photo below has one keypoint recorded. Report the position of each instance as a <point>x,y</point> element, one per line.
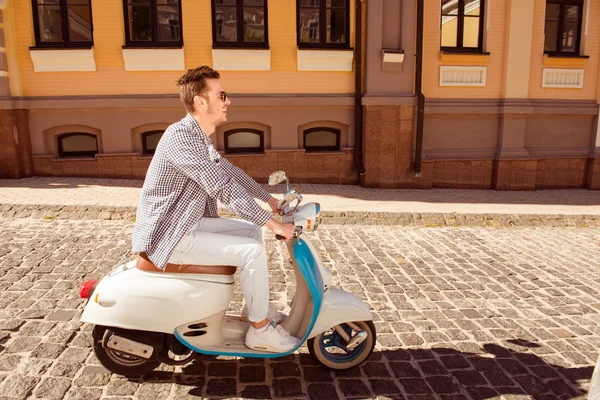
<point>130,366</point>
<point>348,361</point>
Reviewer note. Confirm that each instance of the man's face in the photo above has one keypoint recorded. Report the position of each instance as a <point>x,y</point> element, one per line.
<point>215,108</point>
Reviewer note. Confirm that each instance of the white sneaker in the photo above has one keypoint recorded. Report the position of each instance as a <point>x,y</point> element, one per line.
<point>272,314</point>
<point>274,339</point>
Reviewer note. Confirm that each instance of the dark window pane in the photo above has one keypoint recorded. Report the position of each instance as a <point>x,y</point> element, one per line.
<point>472,7</point>
<point>449,31</point>
<point>140,25</point>
<point>226,23</point>
<point>309,25</point>
<point>571,13</point>
<point>449,7</point>
<point>551,34</point>
<point>80,23</point>
<point>168,23</point>
<point>336,3</point>
<point>243,140</point>
<point>49,23</point>
<point>77,143</point>
<point>309,3</point>
<point>320,139</point>
<point>569,37</point>
<point>47,2</point>
<point>254,24</point>
<point>552,12</point>
<point>151,140</point>
<point>471,32</point>
<point>336,25</point>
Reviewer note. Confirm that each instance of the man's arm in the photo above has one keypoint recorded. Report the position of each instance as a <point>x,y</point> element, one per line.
<point>247,182</point>
<point>186,155</point>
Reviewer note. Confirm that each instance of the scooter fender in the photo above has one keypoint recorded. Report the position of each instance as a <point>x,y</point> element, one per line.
<point>338,307</point>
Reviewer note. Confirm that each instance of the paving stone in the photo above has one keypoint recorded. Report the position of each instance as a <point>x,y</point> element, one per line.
<point>284,369</point>
<point>222,369</point>
<point>78,393</point>
<point>121,387</point>
<point>52,388</point>
<point>221,387</point>
<point>68,370</point>
<point>254,373</point>
<point>353,388</point>
<point>62,315</point>
<point>34,366</point>
<point>256,392</point>
<point>9,362</point>
<point>322,391</point>
<point>18,385</point>
<point>87,379</point>
<point>287,387</point>
<point>48,350</point>
<point>154,392</point>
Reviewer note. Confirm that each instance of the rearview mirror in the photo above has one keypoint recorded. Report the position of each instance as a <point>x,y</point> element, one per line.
<point>277,177</point>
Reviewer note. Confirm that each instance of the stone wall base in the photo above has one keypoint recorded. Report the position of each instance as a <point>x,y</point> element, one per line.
<point>300,167</point>
<point>15,144</point>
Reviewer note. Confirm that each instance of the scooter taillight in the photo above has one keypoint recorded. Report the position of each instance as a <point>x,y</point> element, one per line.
<point>87,288</point>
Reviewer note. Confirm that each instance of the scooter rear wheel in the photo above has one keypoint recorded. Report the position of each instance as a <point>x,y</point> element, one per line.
<point>329,348</point>
<point>117,362</point>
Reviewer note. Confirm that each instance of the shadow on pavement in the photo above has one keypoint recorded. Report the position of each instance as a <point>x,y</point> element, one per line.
<point>396,374</point>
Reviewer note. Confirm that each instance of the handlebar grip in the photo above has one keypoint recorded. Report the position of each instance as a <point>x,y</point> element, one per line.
<point>279,237</point>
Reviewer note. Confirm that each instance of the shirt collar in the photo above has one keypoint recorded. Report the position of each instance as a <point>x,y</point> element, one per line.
<point>197,129</point>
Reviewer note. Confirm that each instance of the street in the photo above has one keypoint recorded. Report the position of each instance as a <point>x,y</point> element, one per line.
<point>461,313</point>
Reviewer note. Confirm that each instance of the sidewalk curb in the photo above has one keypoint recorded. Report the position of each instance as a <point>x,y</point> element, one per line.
<point>428,220</point>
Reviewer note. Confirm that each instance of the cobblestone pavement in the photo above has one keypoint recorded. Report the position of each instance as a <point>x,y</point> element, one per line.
<point>461,313</point>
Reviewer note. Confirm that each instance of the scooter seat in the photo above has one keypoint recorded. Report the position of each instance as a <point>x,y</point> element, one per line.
<point>143,263</point>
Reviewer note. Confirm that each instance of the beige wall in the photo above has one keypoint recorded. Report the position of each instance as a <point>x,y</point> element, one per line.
<point>111,78</point>
<point>590,66</point>
<point>494,43</point>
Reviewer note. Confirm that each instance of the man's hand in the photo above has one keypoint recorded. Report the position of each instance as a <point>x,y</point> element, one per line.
<point>285,230</point>
<point>273,204</point>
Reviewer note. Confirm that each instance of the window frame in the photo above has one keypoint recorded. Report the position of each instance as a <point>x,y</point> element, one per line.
<point>459,48</point>
<point>323,29</point>
<point>316,149</point>
<point>64,26</point>
<point>241,150</point>
<point>70,154</point>
<point>561,27</point>
<point>145,134</point>
<point>154,43</point>
<point>239,43</point>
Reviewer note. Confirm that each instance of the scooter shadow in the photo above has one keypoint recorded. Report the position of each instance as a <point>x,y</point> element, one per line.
<point>394,374</point>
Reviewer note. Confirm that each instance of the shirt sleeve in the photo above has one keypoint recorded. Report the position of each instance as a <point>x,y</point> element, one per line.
<point>247,182</point>
<point>186,155</point>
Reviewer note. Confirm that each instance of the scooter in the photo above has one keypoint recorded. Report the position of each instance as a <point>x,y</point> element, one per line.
<point>142,319</point>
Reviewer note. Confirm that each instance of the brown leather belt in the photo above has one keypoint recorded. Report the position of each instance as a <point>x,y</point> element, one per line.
<point>143,263</point>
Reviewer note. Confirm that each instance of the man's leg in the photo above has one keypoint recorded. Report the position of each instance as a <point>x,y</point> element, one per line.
<point>222,241</point>
<point>218,241</point>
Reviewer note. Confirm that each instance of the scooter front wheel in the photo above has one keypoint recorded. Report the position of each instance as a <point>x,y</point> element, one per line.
<point>344,346</point>
<point>117,362</point>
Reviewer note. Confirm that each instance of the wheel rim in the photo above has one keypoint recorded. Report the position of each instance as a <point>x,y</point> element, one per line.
<point>124,359</point>
<point>333,348</point>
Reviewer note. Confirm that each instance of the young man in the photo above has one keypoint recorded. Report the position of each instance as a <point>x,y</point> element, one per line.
<point>177,219</point>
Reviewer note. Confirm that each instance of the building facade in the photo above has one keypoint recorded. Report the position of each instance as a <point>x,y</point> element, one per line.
<point>500,94</point>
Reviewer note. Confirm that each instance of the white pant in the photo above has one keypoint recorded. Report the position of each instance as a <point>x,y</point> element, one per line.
<point>224,241</point>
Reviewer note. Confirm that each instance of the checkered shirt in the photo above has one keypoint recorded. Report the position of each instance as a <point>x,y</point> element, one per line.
<point>184,181</point>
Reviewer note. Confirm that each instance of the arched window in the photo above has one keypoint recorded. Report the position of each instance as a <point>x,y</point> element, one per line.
<point>322,139</point>
<point>244,141</point>
<point>77,144</point>
<point>150,140</point>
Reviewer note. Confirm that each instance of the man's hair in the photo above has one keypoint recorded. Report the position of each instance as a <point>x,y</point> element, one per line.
<point>193,83</point>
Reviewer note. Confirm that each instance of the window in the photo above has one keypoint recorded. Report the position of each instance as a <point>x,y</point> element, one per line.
<point>62,23</point>
<point>244,141</point>
<point>462,25</point>
<point>229,32</point>
<point>323,23</point>
<point>150,140</point>
<point>153,23</point>
<point>563,27</point>
<point>77,144</point>
<point>322,139</point>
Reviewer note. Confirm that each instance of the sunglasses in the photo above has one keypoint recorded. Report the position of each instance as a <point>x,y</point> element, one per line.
<point>222,95</point>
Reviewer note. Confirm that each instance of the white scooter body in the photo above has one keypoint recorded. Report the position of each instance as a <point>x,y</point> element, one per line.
<point>193,307</point>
